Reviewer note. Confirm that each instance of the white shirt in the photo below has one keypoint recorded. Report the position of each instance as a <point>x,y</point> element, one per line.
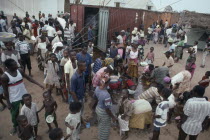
<point>185,39</point>
<point>197,109</point>
<point>50,31</point>
<point>13,56</point>
<point>30,113</point>
<point>195,48</point>
<point>168,31</point>
<point>3,23</point>
<point>162,110</point>
<point>43,19</point>
<point>150,30</point>
<point>72,27</point>
<point>166,24</point>
<point>73,120</point>
<point>134,55</point>
<point>69,69</point>
<point>128,48</point>
<point>43,47</point>
<point>16,87</point>
<point>134,38</point>
<point>120,38</point>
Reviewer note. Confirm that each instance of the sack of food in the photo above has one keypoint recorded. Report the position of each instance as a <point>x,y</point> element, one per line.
<point>141,106</point>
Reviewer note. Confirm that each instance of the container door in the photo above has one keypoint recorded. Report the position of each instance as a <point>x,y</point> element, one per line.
<point>103,29</point>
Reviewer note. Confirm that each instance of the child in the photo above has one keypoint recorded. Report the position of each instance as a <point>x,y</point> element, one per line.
<point>141,43</point>
<point>57,134</point>
<point>52,78</point>
<point>1,93</point>
<point>128,48</point>
<point>25,130</point>
<point>161,113</point>
<point>29,110</point>
<point>191,66</point>
<point>126,111</point>
<point>73,120</point>
<point>150,56</point>
<point>50,106</point>
<point>205,80</point>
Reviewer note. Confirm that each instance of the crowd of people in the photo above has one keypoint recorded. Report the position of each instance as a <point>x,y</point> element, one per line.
<point>150,98</point>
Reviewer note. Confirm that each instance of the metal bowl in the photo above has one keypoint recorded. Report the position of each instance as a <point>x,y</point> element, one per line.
<point>6,37</point>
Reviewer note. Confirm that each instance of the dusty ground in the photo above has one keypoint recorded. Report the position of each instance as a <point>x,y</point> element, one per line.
<point>168,133</point>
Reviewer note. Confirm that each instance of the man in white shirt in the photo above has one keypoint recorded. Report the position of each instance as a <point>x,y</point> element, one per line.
<point>69,69</point>
<point>3,24</point>
<point>120,38</point>
<point>166,24</point>
<point>169,61</point>
<point>195,47</point>
<point>134,37</point>
<point>167,35</point>
<point>185,38</point>
<point>51,32</point>
<point>195,110</point>
<point>43,19</point>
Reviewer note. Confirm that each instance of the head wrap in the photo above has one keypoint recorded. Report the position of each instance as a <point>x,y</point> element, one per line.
<point>59,44</point>
<point>167,79</point>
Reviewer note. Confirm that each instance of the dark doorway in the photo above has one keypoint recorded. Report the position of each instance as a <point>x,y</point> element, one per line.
<point>91,19</point>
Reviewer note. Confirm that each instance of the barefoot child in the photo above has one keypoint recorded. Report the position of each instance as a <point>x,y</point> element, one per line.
<point>50,106</point>
<point>52,79</point>
<point>1,93</point>
<point>73,120</point>
<point>150,56</point>
<point>25,130</point>
<point>127,110</point>
<point>161,113</point>
<point>29,110</point>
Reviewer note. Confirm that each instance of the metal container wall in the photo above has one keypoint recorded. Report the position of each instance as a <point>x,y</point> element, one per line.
<point>121,19</point>
<point>77,15</point>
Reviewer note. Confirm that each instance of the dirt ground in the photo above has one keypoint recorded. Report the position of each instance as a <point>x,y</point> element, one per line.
<point>170,132</point>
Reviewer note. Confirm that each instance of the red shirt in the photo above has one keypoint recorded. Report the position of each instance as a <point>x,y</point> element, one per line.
<point>130,83</point>
<point>35,27</point>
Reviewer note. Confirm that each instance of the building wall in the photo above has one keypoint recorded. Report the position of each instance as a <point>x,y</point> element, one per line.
<point>32,6</point>
<point>136,4</point>
<point>123,18</point>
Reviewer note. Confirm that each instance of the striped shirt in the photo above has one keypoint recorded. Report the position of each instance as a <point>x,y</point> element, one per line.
<point>197,109</point>
<point>161,110</point>
<point>22,47</point>
<point>97,65</point>
<point>151,93</point>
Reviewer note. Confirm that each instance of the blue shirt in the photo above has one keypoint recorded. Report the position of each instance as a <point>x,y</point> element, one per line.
<point>87,58</point>
<point>90,34</point>
<point>78,85</point>
<point>104,98</point>
<point>113,52</point>
<point>97,65</point>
